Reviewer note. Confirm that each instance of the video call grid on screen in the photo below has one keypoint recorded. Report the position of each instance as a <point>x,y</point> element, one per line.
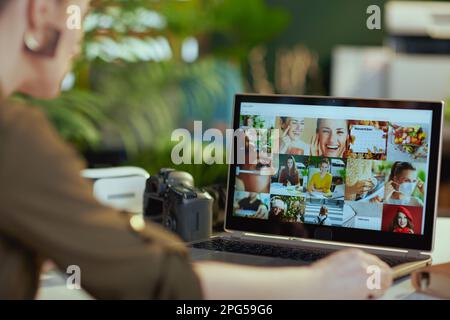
<point>383,189</point>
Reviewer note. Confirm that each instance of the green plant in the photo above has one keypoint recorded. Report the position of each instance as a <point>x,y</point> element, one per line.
<point>155,158</point>
<point>385,167</point>
<point>291,211</point>
<point>133,87</point>
<point>161,97</point>
<point>343,174</point>
<point>121,33</point>
<point>78,115</point>
<point>304,172</point>
<point>422,175</point>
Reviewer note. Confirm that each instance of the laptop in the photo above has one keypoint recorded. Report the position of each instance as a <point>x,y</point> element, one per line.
<point>329,174</point>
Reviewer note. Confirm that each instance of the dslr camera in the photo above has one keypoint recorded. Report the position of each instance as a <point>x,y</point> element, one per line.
<point>171,199</point>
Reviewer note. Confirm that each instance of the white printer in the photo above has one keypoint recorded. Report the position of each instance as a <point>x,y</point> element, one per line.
<point>121,188</point>
<point>413,64</point>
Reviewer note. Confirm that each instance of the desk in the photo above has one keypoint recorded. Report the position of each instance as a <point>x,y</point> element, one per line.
<point>403,288</point>
<point>53,285</point>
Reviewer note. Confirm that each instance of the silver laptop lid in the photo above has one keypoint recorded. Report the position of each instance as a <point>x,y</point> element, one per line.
<point>336,169</point>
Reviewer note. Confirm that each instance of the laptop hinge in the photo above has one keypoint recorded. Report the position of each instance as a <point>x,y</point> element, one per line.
<point>414,254</point>
<point>235,235</point>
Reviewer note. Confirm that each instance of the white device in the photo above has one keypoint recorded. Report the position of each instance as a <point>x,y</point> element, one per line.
<point>413,64</point>
<point>419,18</point>
<point>121,188</point>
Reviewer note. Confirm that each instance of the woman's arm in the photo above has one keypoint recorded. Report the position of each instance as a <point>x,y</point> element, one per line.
<point>296,178</point>
<point>360,187</point>
<point>389,189</point>
<point>282,177</point>
<point>48,208</point>
<point>312,182</point>
<point>262,212</point>
<point>327,183</point>
<point>342,275</point>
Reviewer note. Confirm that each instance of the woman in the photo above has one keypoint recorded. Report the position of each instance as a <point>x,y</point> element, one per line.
<point>252,203</point>
<point>322,218</point>
<point>331,139</point>
<point>289,175</point>
<point>321,181</point>
<point>277,209</point>
<point>401,184</point>
<point>299,209</point>
<point>48,212</point>
<point>248,121</point>
<point>402,222</point>
<point>257,168</point>
<point>291,136</point>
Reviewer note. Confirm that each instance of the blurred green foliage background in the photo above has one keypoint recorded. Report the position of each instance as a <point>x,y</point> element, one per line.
<point>150,66</point>
<point>132,85</point>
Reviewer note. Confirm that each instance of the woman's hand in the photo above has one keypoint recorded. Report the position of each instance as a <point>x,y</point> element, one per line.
<point>342,275</point>
<point>314,147</point>
<point>376,199</point>
<point>360,187</point>
<point>345,274</point>
<point>262,212</point>
<point>420,186</point>
<point>389,189</point>
<point>285,140</point>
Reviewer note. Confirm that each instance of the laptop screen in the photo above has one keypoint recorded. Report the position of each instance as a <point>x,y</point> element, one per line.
<point>360,171</point>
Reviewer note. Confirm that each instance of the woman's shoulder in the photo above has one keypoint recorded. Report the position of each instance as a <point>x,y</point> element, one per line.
<point>26,130</point>
<point>19,116</point>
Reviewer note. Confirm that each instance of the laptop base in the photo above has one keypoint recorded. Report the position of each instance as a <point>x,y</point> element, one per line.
<point>261,253</point>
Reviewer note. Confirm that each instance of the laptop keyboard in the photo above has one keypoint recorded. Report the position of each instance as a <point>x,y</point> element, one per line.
<point>275,251</point>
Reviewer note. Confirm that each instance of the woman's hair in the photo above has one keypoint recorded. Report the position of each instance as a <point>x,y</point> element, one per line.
<point>323,211</point>
<point>283,122</point>
<point>294,170</point>
<point>277,202</point>
<point>399,167</point>
<point>320,120</point>
<point>324,160</point>
<point>395,224</point>
<point>318,124</point>
<point>246,119</point>
<point>284,119</point>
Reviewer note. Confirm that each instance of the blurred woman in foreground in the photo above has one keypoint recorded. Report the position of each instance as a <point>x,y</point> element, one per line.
<point>48,212</point>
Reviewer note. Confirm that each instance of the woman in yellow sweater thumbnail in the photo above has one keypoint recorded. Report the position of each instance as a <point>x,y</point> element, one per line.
<point>321,181</point>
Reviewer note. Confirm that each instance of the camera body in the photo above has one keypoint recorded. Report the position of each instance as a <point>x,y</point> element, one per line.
<point>171,199</point>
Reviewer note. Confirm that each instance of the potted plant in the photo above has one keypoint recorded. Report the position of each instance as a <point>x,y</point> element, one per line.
<point>304,173</point>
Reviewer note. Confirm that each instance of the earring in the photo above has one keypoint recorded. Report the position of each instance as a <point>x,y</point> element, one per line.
<point>47,48</point>
<point>30,42</point>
